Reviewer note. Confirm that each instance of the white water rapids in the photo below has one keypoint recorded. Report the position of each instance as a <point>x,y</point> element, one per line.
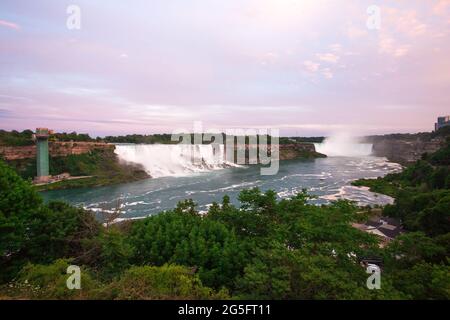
<point>162,160</point>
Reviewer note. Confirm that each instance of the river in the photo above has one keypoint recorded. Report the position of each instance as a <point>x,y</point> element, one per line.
<point>328,178</point>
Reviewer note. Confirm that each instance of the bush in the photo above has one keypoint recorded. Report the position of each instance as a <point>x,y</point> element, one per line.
<point>188,239</point>
<point>21,209</point>
<point>160,283</point>
<point>33,232</point>
<point>49,282</point>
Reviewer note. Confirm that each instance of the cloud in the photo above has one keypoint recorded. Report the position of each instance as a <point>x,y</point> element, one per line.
<point>355,32</point>
<point>328,57</point>
<point>9,24</point>
<point>268,58</point>
<point>219,56</point>
<point>408,23</point>
<point>4,113</point>
<point>336,47</point>
<point>9,97</point>
<point>311,66</point>
<point>441,7</point>
<point>326,72</point>
<point>387,45</point>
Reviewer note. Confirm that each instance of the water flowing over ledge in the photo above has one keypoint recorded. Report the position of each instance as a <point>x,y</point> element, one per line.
<point>344,146</point>
<point>160,160</point>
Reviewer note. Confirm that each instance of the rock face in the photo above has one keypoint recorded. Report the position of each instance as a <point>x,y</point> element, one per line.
<point>56,149</point>
<point>289,151</point>
<point>405,151</point>
<point>299,150</point>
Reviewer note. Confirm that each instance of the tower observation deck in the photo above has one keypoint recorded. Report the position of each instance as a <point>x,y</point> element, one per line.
<point>42,157</point>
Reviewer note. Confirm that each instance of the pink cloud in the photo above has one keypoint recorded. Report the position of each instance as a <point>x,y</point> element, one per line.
<point>10,25</point>
<point>442,7</point>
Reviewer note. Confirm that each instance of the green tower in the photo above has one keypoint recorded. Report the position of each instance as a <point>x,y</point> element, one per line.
<point>42,164</point>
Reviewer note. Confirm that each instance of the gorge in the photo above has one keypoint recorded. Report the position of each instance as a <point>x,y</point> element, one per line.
<point>176,177</point>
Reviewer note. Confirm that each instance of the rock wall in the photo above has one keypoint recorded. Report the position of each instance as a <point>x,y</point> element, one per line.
<point>290,151</point>
<point>299,150</point>
<point>56,149</point>
<point>405,151</point>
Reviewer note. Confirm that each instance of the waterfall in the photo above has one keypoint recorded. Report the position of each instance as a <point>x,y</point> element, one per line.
<point>344,146</point>
<point>161,160</point>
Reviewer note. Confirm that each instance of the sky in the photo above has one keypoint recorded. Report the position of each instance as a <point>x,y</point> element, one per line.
<point>306,67</point>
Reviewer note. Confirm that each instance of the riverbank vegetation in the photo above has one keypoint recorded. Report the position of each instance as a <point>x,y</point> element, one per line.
<point>421,192</point>
<point>16,138</point>
<point>263,249</point>
<point>101,167</point>
<point>25,138</point>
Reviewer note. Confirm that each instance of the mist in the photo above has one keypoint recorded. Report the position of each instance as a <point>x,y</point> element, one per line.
<point>344,145</point>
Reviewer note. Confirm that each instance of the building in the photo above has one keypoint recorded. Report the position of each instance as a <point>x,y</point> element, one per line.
<point>442,122</point>
<point>387,229</point>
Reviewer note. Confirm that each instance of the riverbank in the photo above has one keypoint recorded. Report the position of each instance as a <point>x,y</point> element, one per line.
<point>406,149</point>
<point>421,192</point>
<point>102,167</point>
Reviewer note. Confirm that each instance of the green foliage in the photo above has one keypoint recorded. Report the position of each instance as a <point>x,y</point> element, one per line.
<point>417,263</point>
<point>442,156</point>
<point>419,266</point>
<point>20,207</point>
<point>15,138</point>
<point>33,232</point>
<point>160,283</point>
<point>114,254</point>
<point>24,138</point>
<point>412,248</point>
<point>428,212</point>
<point>36,281</point>
<point>422,193</point>
<point>184,238</point>
<point>424,281</point>
<point>141,139</point>
<point>73,136</point>
<point>100,163</point>
<point>102,166</point>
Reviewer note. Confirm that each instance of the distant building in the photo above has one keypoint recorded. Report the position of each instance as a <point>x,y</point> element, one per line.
<point>442,122</point>
<point>384,227</point>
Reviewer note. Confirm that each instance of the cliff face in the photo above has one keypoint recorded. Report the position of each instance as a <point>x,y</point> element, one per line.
<point>299,150</point>
<point>289,151</point>
<point>405,151</point>
<point>56,149</point>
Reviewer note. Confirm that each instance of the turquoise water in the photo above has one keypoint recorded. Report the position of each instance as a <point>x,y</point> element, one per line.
<point>329,179</point>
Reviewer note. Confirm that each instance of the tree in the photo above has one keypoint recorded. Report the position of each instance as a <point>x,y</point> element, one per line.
<point>160,283</point>
<point>185,238</point>
<point>31,231</point>
<point>20,208</point>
